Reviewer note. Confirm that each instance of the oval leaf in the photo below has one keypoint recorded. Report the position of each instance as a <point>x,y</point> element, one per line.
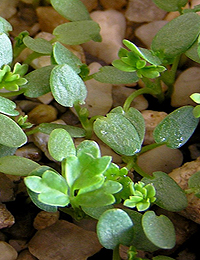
<point>159,230</point>
<point>114,227</point>
<point>164,184</point>
<point>170,5</point>
<point>16,165</point>
<point>120,131</point>
<point>170,42</point>
<point>74,33</point>
<point>73,10</point>
<point>11,134</point>
<point>7,107</point>
<point>66,86</point>
<point>39,45</point>
<point>6,53</point>
<point>176,128</point>
<point>112,75</point>
<point>60,144</point>
<point>38,82</point>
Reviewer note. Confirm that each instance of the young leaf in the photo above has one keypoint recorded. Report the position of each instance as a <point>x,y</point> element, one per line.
<point>64,56</point>
<point>38,82</point>
<point>60,144</point>
<point>176,128</point>
<point>123,132</point>
<point>170,42</point>
<point>159,230</point>
<point>79,32</point>
<point>109,74</point>
<point>39,45</point>
<point>114,228</point>
<point>170,5</point>
<point>73,10</point>
<point>66,86</point>
<point>175,200</point>
<point>11,134</point>
<point>89,147</point>
<point>5,26</point>
<point>7,107</point>
<point>74,131</point>
<point>52,188</point>
<point>16,165</point>
<point>6,53</point>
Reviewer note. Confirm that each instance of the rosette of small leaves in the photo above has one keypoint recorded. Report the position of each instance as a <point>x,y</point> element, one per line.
<point>12,80</point>
<point>196,98</point>
<point>142,196</point>
<point>139,60</point>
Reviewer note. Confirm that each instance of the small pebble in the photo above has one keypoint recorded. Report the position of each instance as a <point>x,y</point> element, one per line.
<point>6,218</point>
<point>45,219</point>
<point>7,251</point>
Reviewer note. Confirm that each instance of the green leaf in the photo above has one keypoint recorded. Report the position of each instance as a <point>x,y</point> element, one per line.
<point>194,183</point>
<point>192,52</point>
<point>159,230</point>
<point>196,111</point>
<point>162,257</point>
<point>112,75</point>
<point>11,134</point>
<point>38,82</point>
<point>176,128</point>
<point>64,56</point>
<point>5,26</point>
<point>38,45</point>
<point>114,228</point>
<point>7,107</point>
<point>140,240</point>
<point>52,188</point>
<point>89,147</point>
<point>79,32</point>
<point>195,97</point>
<point>60,144</point>
<point>170,5</point>
<point>121,65</point>
<point>6,53</point>
<point>175,200</point>
<point>34,197</point>
<point>74,131</point>
<point>73,10</point>
<point>123,132</point>
<point>170,42</point>
<point>5,150</point>
<point>16,165</point>
<point>66,86</point>
<point>96,212</point>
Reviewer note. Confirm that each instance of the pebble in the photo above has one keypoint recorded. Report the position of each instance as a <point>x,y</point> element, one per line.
<point>152,119</point>
<point>18,244</point>
<point>8,8</point>
<point>186,84</point>
<point>6,188</point>
<point>143,11</point>
<point>45,219</point>
<point>160,158</point>
<point>7,251</point>
<point>6,218</point>
<point>146,32</point>
<point>42,114</point>
<point>99,96</point>
<point>26,255</point>
<point>114,4</point>
<point>120,94</point>
<point>90,5</point>
<point>29,151</point>
<point>113,26</point>
<point>181,176</point>
<point>69,242</point>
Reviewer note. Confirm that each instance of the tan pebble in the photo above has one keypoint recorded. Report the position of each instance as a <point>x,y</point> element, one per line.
<point>6,218</point>
<point>45,219</point>
<point>7,251</point>
<point>42,114</point>
<point>114,4</point>
<point>90,5</point>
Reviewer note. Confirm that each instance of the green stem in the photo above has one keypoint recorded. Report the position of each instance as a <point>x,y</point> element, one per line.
<point>33,131</point>
<point>137,168</point>
<point>116,255</point>
<point>32,57</point>
<point>149,147</point>
<point>136,93</point>
<point>12,93</point>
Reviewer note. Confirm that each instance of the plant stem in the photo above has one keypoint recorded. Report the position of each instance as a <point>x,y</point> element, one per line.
<point>116,255</point>
<point>136,93</point>
<point>32,57</point>
<point>33,131</point>
<point>137,168</point>
<point>150,147</point>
